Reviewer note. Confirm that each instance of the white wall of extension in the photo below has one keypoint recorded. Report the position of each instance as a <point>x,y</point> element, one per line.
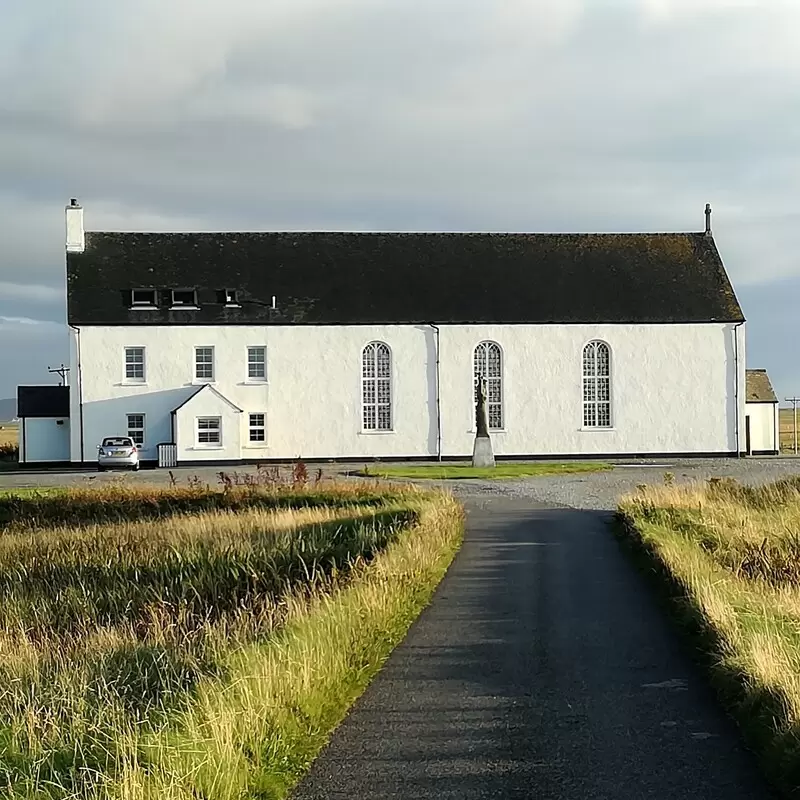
<point>674,389</point>
<point>44,439</point>
<point>764,427</point>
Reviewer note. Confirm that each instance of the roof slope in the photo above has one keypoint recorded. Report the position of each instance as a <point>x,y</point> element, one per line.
<point>43,401</point>
<point>358,278</point>
<point>758,388</point>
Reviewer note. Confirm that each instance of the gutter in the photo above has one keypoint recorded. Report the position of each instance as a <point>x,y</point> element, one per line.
<point>438,399</point>
<point>80,387</point>
<point>736,385</point>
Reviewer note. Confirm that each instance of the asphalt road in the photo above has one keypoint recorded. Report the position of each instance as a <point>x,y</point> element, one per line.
<point>542,669</point>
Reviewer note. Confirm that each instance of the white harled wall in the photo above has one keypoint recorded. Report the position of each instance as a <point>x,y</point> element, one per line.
<point>764,427</point>
<point>674,388</point>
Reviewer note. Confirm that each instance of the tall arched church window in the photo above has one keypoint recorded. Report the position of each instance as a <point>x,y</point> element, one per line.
<point>488,363</point>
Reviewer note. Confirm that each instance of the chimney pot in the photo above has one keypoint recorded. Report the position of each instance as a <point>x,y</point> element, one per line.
<point>75,239</point>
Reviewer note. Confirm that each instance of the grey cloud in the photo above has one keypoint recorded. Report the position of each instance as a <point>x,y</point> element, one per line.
<point>514,115</point>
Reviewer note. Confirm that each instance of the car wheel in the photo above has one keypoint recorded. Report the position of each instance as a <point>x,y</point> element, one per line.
<point>136,467</point>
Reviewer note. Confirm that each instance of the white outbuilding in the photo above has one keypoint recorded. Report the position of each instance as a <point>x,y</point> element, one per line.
<point>762,417</point>
<point>44,429</point>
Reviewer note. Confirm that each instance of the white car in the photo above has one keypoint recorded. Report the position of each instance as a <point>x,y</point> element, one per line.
<point>117,451</point>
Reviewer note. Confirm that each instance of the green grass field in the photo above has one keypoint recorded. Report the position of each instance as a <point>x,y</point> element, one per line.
<point>787,429</point>
<point>728,557</point>
<point>466,471</point>
<point>9,434</point>
<point>200,654</point>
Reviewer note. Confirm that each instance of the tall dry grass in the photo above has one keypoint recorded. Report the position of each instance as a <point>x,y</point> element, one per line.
<point>118,639</point>
<point>730,555</point>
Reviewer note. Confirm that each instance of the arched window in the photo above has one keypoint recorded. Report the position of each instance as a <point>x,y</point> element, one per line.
<point>376,387</point>
<point>596,385</point>
<point>488,363</point>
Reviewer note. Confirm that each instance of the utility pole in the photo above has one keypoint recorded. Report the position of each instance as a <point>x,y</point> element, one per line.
<point>61,372</point>
<point>794,401</point>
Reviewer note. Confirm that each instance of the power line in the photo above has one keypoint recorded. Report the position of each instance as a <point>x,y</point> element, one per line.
<point>794,401</point>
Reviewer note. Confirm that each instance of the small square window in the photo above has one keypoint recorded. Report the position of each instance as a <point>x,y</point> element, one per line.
<point>204,363</point>
<point>258,428</point>
<point>143,297</point>
<point>257,363</point>
<point>184,297</point>
<point>134,365</point>
<point>136,428</point>
<point>209,430</point>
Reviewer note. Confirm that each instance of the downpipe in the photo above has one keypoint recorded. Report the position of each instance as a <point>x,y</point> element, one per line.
<point>438,398</point>
<point>736,386</point>
<point>80,388</point>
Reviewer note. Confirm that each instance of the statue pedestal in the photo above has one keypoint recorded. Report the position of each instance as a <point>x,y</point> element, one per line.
<point>482,454</point>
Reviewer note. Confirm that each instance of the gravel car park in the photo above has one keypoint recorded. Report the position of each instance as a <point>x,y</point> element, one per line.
<point>593,491</point>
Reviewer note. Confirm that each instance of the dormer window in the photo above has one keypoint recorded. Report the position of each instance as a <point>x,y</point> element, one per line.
<point>184,298</point>
<point>143,298</point>
<point>229,297</point>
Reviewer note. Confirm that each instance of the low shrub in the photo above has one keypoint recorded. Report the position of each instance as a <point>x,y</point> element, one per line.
<point>9,451</point>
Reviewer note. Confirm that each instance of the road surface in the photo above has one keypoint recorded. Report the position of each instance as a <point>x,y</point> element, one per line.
<point>542,669</point>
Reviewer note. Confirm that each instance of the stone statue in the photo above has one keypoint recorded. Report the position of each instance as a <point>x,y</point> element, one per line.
<point>482,453</point>
<point>481,422</point>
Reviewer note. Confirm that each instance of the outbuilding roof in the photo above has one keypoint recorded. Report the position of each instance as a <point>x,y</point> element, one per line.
<point>43,401</point>
<point>320,278</point>
<point>758,387</point>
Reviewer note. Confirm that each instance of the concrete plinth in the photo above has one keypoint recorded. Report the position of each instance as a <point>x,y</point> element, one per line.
<point>482,454</point>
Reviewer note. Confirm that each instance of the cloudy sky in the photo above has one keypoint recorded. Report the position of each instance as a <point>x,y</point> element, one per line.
<point>522,115</point>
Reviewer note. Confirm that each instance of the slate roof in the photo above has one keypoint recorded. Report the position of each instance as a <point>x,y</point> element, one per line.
<point>42,401</point>
<point>360,278</point>
<point>758,389</point>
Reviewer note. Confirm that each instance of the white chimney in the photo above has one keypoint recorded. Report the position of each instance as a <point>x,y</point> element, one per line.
<point>75,238</point>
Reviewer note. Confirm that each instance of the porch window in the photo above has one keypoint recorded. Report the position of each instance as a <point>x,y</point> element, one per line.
<point>209,431</point>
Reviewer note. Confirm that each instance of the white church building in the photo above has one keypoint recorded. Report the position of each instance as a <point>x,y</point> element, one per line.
<point>249,347</point>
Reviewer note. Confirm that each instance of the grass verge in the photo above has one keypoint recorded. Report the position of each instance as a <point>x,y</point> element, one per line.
<point>120,502</point>
<point>466,471</point>
<point>728,557</point>
<point>202,655</point>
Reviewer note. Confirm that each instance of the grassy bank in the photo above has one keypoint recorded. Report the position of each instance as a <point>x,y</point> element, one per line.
<point>120,502</point>
<point>730,557</point>
<point>202,654</point>
<point>465,471</point>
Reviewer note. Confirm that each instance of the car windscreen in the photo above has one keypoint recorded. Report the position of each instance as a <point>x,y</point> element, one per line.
<point>118,442</point>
